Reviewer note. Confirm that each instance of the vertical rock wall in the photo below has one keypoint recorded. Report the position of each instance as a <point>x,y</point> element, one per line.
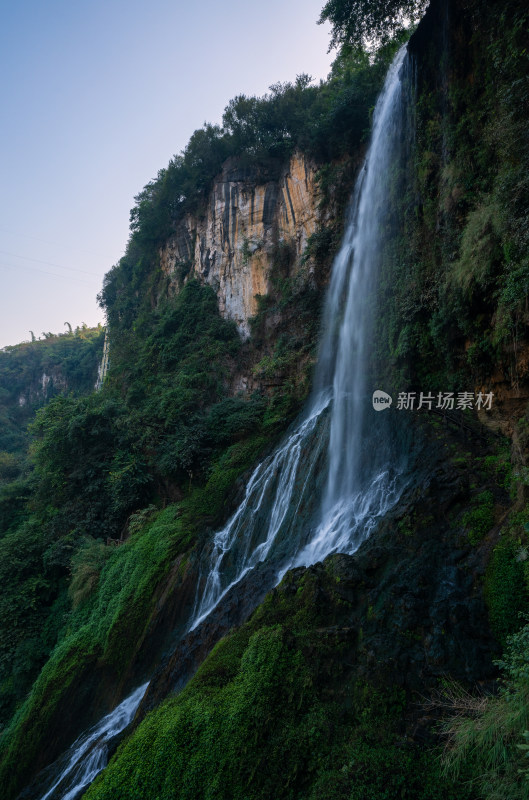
<point>232,247</point>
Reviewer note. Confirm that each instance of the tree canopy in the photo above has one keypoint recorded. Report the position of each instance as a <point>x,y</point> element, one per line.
<point>367,23</point>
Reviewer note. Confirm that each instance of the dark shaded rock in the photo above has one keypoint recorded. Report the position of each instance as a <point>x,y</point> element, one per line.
<point>408,603</point>
<point>234,609</point>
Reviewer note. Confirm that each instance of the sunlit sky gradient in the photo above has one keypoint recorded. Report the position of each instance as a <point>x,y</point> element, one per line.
<point>96,97</point>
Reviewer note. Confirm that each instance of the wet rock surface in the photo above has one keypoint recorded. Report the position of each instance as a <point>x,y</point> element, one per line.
<point>234,609</point>
<point>408,604</point>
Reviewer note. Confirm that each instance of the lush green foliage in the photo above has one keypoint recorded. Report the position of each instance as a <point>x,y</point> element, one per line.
<point>456,293</point>
<point>33,601</point>
<point>163,413</point>
<point>97,459</point>
<point>485,733</point>
<point>167,427</point>
<point>480,518</point>
<point>364,23</point>
<point>106,624</point>
<point>32,373</point>
<point>87,564</point>
<point>507,578</point>
<point>276,711</point>
<point>115,592</point>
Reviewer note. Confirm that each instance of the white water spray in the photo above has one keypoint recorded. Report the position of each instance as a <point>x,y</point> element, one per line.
<point>360,488</point>
<point>89,753</point>
<point>244,542</point>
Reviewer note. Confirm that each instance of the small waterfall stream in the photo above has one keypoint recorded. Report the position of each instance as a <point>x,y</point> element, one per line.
<point>335,475</point>
<point>103,366</point>
<point>88,755</point>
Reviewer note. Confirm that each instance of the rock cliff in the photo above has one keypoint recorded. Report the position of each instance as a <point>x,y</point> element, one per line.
<point>231,247</point>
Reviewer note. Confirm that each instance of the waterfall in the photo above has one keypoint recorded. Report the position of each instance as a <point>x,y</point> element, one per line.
<point>103,366</point>
<point>360,486</point>
<point>335,475</point>
<point>88,755</point>
<point>270,506</point>
<point>363,479</point>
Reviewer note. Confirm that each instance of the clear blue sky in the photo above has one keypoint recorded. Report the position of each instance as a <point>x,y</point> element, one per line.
<point>96,97</point>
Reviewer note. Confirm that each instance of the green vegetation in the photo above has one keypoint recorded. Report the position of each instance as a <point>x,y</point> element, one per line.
<point>33,602</point>
<point>506,592</point>
<point>364,23</point>
<point>159,425</point>
<point>455,286</point>
<point>480,518</point>
<point>276,710</point>
<point>114,593</point>
<point>152,432</point>
<point>32,373</point>
<point>507,578</point>
<point>486,734</point>
<point>104,628</point>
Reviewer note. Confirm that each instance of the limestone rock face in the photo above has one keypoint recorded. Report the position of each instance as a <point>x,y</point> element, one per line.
<point>42,387</point>
<point>247,221</point>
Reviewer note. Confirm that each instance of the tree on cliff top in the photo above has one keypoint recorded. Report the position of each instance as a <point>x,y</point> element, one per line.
<point>365,23</point>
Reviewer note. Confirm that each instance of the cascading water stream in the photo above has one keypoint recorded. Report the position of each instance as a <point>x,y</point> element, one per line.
<point>362,484</point>
<point>89,753</point>
<point>335,475</point>
<point>248,538</point>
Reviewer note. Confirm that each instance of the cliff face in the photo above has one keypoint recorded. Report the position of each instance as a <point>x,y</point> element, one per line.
<point>42,387</point>
<point>467,230</point>
<point>232,246</point>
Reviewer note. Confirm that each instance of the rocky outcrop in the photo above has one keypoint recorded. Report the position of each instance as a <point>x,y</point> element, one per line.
<point>43,387</point>
<point>248,219</point>
<point>409,602</point>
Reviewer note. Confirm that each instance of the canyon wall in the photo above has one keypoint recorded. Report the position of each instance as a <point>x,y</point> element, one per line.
<point>233,245</point>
